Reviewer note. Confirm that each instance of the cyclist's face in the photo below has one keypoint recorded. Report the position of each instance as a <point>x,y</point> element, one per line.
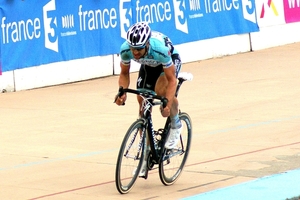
<point>138,52</point>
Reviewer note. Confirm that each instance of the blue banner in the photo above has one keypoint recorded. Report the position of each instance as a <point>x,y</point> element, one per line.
<point>38,32</point>
<point>191,20</point>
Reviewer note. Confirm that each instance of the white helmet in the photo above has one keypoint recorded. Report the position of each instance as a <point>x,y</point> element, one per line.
<point>138,34</point>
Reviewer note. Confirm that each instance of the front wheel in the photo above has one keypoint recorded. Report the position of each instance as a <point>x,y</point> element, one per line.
<point>130,157</point>
<point>173,160</point>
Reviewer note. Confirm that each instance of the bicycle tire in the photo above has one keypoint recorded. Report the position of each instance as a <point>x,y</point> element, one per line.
<point>130,156</point>
<point>174,160</point>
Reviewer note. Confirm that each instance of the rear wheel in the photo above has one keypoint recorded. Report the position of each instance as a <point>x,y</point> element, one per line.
<point>130,157</point>
<point>174,160</point>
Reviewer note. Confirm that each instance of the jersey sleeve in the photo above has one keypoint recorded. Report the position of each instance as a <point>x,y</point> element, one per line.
<point>125,54</point>
<point>161,45</point>
<point>164,56</point>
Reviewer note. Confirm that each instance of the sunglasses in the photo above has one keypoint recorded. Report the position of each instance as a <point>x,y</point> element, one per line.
<point>137,49</point>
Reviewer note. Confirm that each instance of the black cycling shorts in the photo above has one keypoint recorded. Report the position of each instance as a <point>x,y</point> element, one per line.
<point>148,75</point>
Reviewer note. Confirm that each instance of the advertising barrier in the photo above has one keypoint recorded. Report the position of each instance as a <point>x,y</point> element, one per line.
<point>38,32</point>
<point>269,12</point>
<point>56,31</point>
<point>277,12</point>
<point>277,20</point>
<point>292,10</point>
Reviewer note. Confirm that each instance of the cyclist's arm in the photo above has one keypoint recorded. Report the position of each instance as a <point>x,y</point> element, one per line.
<point>124,78</point>
<point>169,70</point>
<point>126,56</point>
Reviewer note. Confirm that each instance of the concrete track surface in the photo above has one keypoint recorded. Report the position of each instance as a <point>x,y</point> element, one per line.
<point>62,142</point>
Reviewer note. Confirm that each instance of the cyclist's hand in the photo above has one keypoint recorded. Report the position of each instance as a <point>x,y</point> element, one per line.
<point>121,100</point>
<point>165,112</point>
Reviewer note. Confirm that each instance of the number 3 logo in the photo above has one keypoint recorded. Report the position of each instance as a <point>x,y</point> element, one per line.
<point>249,10</point>
<point>180,19</point>
<point>50,26</point>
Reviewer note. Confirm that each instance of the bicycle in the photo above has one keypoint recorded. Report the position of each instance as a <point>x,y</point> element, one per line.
<point>142,142</point>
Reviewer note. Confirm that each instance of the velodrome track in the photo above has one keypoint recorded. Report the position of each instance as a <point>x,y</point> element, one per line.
<point>62,142</point>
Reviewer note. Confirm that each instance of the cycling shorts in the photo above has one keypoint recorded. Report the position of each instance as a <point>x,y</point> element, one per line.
<point>148,75</point>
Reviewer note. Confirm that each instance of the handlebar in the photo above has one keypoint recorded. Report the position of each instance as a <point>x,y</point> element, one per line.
<point>142,92</point>
<point>182,76</point>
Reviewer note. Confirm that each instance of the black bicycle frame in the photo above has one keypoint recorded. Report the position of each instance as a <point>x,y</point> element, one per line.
<point>147,115</point>
<point>156,150</point>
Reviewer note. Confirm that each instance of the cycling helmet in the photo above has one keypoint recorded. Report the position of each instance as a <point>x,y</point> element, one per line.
<point>138,34</point>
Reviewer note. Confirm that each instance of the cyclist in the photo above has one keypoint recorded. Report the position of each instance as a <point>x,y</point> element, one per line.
<point>160,65</point>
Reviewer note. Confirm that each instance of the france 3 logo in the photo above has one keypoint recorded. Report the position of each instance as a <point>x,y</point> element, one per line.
<point>159,11</point>
<point>51,26</point>
<point>249,10</point>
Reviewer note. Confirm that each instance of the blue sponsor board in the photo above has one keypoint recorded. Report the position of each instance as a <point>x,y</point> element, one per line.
<point>45,31</point>
<point>191,20</point>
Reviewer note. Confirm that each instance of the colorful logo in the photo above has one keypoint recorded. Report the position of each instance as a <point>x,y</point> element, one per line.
<point>270,5</point>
